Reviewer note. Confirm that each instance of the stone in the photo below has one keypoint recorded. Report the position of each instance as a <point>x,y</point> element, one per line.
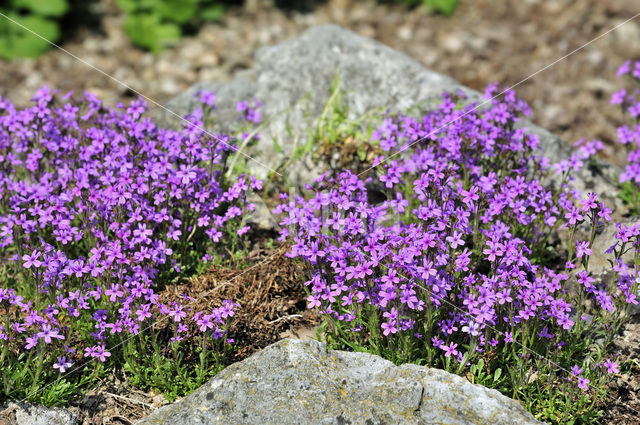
<point>292,80</point>
<point>302,382</point>
<point>261,218</point>
<point>12,413</point>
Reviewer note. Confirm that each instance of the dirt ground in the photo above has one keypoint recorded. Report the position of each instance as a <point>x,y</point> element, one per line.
<point>485,41</point>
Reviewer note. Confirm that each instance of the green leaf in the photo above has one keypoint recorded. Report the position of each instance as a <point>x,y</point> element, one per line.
<point>137,6</point>
<point>16,42</point>
<point>212,13</point>
<point>146,30</point>
<point>362,153</point>
<point>54,8</point>
<point>446,7</point>
<point>277,146</point>
<point>128,6</point>
<point>179,11</point>
<point>497,374</point>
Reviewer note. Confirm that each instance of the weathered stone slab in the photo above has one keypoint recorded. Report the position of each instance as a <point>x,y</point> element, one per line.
<point>301,382</point>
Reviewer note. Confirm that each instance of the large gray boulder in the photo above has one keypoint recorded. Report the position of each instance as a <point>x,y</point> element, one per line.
<point>292,80</point>
<point>302,382</point>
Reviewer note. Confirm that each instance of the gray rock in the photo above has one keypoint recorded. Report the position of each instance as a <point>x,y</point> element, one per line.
<point>12,413</point>
<point>301,382</point>
<point>261,217</point>
<point>292,80</point>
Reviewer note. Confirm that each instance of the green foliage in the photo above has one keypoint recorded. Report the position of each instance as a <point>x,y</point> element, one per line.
<point>629,195</point>
<point>482,376</point>
<point>446,7</point>
<point>151,24</point>
<point>24,376</point>
<point>39,16</point>
<point>174,369</point>
<point>154,24</point>
<point>334,125</point>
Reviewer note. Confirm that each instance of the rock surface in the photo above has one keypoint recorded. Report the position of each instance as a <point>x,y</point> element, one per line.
<point>301,382</point>
<point>12,413</point>
<point>292,80</point>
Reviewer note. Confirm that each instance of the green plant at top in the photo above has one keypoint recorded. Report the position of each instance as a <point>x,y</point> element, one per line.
<point>39,16</point>
<point>153,24</point>
<point>446,7</point>
<point>334,125</point>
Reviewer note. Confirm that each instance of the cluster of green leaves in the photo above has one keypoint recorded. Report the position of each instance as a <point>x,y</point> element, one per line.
<point>42,17</point>
<point>153,24</point>
<point>629,195</point>
<point>446,7</point>
<point>150,24</point>
<point>175,369</point>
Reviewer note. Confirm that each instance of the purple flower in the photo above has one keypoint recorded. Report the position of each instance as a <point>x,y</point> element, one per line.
<point>583,383</point>
<point>450,349</point>
<point>618,97</point>
<point>612,367</point>
<point>177,313</point>
<point>207,97</point>
<point>575,370</point>
<point>62,365</point>
<point>31,260</point>
<point>388,327</point>
<point>32,341</point>
<point>508,337</point>
<point>143,312</point>
<point>90,351</point>
<point>583,249</point>
<point>625,68</point>
<point>101,353</point>
<point>494,250</point>
<point>585,279</point>
<point>47,333</point>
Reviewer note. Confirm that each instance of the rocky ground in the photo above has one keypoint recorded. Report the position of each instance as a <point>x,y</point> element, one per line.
<point>485,41</point>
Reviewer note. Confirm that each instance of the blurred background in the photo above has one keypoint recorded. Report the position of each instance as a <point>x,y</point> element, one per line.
<point>161,47</point>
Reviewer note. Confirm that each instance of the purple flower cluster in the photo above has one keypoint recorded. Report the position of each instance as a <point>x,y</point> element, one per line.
<point>452,256</point>
<point>629,135</point>
<point>98,209</point>
<point>250,112</point>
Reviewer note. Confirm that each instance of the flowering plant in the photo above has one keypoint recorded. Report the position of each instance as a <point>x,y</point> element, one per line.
<point>99,210</point>
<point>456,268</point>
<point>629,135</point>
